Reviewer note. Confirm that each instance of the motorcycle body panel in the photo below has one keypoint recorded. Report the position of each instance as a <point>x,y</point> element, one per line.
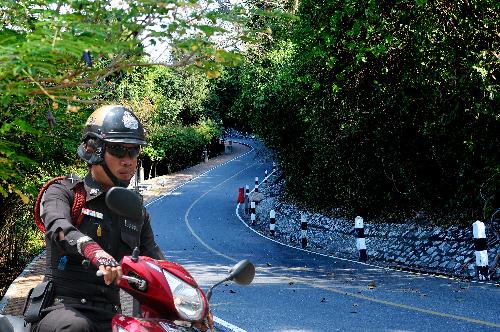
<point>156,301</point>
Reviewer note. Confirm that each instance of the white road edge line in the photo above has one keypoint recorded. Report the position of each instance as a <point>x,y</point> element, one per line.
<point>394,304</point>
<point>228,325</point>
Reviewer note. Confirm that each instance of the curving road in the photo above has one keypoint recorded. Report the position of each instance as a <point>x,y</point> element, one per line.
<point>198,226</point>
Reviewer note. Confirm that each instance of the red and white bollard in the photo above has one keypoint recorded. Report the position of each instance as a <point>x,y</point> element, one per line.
<point>241,195</point>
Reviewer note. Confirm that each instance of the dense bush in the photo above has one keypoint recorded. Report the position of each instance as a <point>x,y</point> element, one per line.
<point>384,108</point>
<point>175,147</point>
<point>38,150</point>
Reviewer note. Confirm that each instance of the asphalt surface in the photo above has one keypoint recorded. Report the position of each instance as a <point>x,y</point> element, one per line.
<point>198,226</point>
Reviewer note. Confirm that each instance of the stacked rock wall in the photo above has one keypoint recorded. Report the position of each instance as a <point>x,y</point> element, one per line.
<point>410,245</point>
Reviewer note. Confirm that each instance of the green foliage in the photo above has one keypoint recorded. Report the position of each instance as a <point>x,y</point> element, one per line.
<point>382,108</point>
<point>42,43</point>
<point>173,96</point>
<point>59,57</point>
<point>179,147</point>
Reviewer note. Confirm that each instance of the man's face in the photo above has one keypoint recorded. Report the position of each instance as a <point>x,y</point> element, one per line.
<point>122,159</point>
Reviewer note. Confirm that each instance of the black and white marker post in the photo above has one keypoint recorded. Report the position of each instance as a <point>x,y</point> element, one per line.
<point>265,176</point>
<point>360,238</point>
<point>272,222</point>
<point>252,212</point>
<point>481,248</point>
<point>303,230</point>
<point>274,166</point>
<point>247,197</point>
<point>256,184</point>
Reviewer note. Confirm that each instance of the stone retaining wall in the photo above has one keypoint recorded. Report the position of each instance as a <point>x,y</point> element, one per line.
<point>410,245</point>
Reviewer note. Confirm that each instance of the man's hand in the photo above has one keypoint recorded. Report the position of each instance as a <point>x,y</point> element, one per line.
<point>111,274</point>
<point>110,269</point>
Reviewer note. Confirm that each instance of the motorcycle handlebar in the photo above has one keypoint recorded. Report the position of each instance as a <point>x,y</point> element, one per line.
<point>141,284</point>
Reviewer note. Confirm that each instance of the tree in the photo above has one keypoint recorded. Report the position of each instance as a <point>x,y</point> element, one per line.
<point>59,59</point>
<point>58,56</point>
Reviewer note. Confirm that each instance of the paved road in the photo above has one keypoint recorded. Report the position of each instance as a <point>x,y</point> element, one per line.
<point>197,226</point>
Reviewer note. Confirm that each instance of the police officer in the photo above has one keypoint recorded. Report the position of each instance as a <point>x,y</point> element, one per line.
<point>111,143</point>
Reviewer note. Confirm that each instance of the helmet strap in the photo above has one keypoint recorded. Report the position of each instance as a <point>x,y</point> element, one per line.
<point>117,182</point>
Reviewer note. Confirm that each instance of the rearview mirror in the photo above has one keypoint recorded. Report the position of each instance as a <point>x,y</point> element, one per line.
<point>126,203</point>
<point>242,273</point>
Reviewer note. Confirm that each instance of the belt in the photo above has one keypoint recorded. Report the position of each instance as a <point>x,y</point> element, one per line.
<point>111,307</point>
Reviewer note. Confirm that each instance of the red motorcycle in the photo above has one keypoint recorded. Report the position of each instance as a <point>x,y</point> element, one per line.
<point>169,297</point>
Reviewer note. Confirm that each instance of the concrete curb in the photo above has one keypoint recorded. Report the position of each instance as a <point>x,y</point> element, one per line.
<point>13,289</point>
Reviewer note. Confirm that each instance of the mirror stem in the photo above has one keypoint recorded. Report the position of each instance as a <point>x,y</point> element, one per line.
<point>209,292</point>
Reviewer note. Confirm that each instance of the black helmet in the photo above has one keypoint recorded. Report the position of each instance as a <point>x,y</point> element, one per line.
<point>111,124</point>
<point>114,124</point>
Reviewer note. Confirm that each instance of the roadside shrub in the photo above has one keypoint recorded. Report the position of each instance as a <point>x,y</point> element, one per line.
<point>175,147</point>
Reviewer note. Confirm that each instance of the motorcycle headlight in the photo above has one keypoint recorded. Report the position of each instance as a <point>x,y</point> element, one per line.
<point>187,299</point>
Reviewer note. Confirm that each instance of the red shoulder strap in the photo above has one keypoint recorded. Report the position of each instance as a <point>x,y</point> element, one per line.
<point>78,204</point>
<point>76,209</point>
